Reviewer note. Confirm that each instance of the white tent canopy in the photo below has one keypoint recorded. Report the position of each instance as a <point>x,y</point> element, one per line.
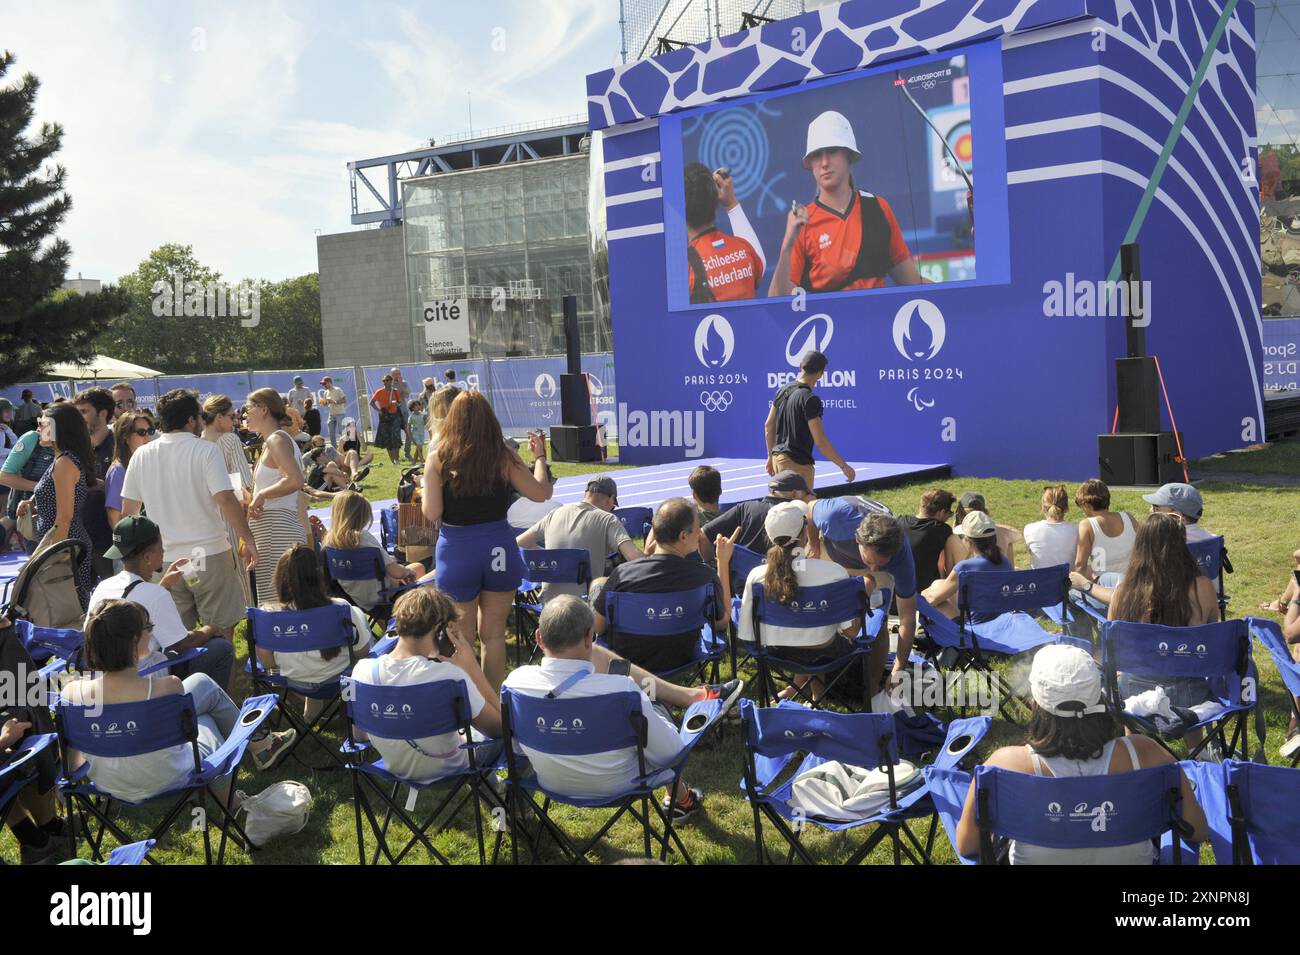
<point>101,366</point>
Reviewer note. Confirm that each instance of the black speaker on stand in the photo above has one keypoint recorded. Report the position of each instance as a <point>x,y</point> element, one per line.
<point>1137,452</point>
<point>574,439</point>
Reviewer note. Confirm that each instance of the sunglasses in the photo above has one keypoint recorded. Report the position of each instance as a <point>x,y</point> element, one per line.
<point>144,432</point>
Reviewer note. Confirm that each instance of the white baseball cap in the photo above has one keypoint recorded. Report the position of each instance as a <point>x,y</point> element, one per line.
<point>828,131</point>
<point>785,522</point>
<point>1065,681</point>
<point>976,524</point>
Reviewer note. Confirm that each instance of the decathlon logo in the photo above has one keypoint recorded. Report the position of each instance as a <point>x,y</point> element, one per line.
<point>594,384</point>
<point>812,334</point>
<point>1019,590</point>
<point>714,341</point>
<point>544,387</point>
<point>909,341</point>
<point>716,400</point>
<point>559,727</point>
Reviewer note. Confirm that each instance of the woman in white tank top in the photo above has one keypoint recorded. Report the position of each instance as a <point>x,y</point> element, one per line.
<point>274,516</point>
<point>1072,734</point>
<point>1105,538</point>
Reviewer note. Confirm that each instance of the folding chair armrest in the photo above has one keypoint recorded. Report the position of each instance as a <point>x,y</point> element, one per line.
<point>381,646</point>
<point>26,750</point>
<point>709,710</point>
<point>252,715</point>
<point>134,854</point>
<point>185,656</point>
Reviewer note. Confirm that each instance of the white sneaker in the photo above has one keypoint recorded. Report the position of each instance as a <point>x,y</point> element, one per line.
<point>1290,746</point>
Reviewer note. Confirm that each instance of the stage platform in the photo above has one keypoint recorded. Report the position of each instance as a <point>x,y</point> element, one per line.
<point>742,479</point>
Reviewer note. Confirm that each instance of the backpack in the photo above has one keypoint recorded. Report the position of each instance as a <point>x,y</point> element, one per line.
<point>280,809</point>
<point>406,484</point>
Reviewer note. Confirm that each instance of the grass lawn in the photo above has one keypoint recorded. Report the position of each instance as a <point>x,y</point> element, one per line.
<point>1262,530</point>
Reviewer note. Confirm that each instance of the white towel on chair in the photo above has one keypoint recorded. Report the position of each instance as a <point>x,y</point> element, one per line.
<point>1154,702</point>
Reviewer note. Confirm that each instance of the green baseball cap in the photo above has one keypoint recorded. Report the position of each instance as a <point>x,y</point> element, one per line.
<point>130,535</point>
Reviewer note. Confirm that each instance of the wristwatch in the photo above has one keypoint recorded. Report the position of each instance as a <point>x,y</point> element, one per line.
<point>1090,586</point>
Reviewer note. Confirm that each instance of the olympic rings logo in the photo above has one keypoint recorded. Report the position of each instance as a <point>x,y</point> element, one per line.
<point>715,400</point>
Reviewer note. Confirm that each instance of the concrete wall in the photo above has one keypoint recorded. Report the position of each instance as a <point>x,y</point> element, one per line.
<point>364,318</point>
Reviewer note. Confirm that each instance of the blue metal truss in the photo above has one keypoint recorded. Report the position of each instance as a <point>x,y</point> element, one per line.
<point>380,176</point>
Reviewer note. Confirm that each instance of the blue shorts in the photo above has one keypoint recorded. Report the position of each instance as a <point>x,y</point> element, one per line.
<point>475,558</point>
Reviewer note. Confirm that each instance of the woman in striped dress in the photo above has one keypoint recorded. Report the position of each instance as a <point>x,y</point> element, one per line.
<point>274,514</point>
<point>220,416</point>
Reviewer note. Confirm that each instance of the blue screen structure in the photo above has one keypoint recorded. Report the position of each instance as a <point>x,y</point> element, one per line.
<point>842,186</point>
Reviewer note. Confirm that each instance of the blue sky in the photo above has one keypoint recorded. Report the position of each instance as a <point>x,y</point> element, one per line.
<point>229,125</point>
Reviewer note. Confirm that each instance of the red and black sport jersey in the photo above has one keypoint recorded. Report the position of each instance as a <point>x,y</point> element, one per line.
<point>722,268</point>
<point>855,250</point>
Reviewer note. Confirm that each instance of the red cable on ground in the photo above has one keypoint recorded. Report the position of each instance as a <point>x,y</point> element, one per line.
<point>1182,458</point>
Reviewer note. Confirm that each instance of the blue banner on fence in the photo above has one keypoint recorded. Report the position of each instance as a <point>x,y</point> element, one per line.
<point>282,381</point>
<point>1282,354</point>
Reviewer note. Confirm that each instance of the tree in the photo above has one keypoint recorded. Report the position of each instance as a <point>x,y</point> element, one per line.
<point>289,334</point>
<point>38,326</point>
<point>156,330</point>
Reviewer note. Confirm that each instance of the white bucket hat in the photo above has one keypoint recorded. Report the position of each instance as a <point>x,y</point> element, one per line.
<point>1065,681</point>
<point>830,130</point>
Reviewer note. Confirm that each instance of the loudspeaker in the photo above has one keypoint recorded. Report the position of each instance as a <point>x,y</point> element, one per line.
<point>572,337</point>
<point>1139,459</point>
<point>574,443</point>
<point>575,401</point>
<point>1137,387</point>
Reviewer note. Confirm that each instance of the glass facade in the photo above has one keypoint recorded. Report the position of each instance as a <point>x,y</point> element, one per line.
<point>1277,118</point>
<point>513,239</point>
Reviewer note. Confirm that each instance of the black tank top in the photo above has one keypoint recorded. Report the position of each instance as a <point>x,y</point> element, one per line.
<point>467,509</point>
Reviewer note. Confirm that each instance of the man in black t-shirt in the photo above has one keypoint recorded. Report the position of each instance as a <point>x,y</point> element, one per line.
<point>794,425</point>
<point>675,566</point>
<point>748,516</point>
<point>934,547</point>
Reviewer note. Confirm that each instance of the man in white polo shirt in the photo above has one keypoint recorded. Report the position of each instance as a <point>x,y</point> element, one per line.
<point>566,635</point>
<point>180,480</point>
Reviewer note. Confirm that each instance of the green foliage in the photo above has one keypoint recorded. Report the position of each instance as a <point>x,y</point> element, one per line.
<point>38,324</point>
<point>172,326</point>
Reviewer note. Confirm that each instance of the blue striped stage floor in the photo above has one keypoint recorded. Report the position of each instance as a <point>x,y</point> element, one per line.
<point>742,480</point>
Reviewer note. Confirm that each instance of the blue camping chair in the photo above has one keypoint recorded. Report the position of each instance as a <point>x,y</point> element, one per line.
<point>1217,652</point>
<point>301,631</point>
<point>963,646</point>
<point>1211,557</point>
<point>785,741</point>
<point>47,643</point>
<point>820,606</point>
<point>556,565</point>
<point>743,561</point>
<point>1269,634</point>
<point>408,714</point>
<point>19,770</point>
<point>593,726</point>
<point>668,614</point>
<point>1250,808</point>
<point>635,520</point>
<point>124,730</point>
<point>356,564</point>
<point>1090,812</point>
